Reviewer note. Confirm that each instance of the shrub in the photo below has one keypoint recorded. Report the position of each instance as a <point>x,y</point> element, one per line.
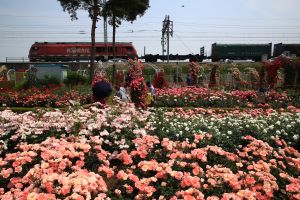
<point>48,81</point>
<point>159,80</point>
<point>74,79</point>
<point>22,85</point>
<point>120,79</point>
<point>137,86</point>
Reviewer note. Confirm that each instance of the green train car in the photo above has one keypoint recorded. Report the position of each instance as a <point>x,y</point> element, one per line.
<point>290,48</point>
<point>254,52</point>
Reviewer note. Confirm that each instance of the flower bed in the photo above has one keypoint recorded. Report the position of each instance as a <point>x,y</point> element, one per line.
<point>125,153</point>
<point>168,97</point>
<point>36,97</point>
<point>204,97</point>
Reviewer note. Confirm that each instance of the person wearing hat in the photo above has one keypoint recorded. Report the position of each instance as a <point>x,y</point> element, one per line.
<point>101,91</point>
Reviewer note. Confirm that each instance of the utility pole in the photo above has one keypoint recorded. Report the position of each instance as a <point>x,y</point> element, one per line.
<point>105,30</point>
<point>105,25</point>
<point>167,31</point>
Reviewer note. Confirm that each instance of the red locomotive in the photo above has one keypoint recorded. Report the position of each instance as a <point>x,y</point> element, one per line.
<point>76,51</point>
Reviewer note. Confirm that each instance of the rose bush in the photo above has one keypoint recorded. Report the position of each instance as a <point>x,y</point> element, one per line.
<point>204,97</point>
<point>47,97</point>
<point>138,88</point>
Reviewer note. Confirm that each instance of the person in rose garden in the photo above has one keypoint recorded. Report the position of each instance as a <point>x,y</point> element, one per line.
<point>262,92</point>
<point>189,80</point>
<point>101,91</point>
<point>122,93</point>
<point>128,80</point>
<point>150,94</point>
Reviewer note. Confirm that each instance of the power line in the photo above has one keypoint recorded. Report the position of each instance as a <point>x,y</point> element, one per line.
<point>186,46</point>
<point>72,32</point>
<point>234,25</point>
<point>155,36</point>
<point>136,33</point>
<point>256,33</point>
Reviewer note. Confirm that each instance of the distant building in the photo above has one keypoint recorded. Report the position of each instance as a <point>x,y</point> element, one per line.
<point>58,71</point>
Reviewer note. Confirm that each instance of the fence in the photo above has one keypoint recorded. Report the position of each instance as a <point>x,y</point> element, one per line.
<point>225,80</point>
<point>16,59</point>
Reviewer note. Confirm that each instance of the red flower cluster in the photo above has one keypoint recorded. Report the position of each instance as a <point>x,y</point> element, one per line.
<point>272,70</point>
<point>196,72</point>
<point>213,76</point>
<point>120,78</point>
<point>137,86</point>
<point>204,97</point>
<point>159,80</point>
<point>46,97</point>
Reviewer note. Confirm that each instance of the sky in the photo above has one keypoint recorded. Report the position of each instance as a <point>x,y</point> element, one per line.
<point>196,23</point>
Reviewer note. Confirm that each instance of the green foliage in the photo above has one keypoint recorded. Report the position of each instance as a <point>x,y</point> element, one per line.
<point>74,79</point>
<point>110,100</point>
<point>46,81</point>
<point>294,96</point>
<point>20,109</point>
<point>291,71</point>
<point>72,7</point>
<point>22,85</point>
<point>7,84</point>
<point>148,71</point>
<point>127,10</point>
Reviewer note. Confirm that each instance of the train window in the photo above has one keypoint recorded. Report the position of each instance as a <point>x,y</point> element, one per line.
<point>35,48</point>
<point>129,48</point>
<point>100,49</point>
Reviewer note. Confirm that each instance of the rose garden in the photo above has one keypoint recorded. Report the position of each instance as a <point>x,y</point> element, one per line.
<point>202,141</point>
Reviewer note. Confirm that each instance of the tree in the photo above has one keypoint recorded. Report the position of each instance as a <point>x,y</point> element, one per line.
<point>93,7</point>
<point>117,11</point>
